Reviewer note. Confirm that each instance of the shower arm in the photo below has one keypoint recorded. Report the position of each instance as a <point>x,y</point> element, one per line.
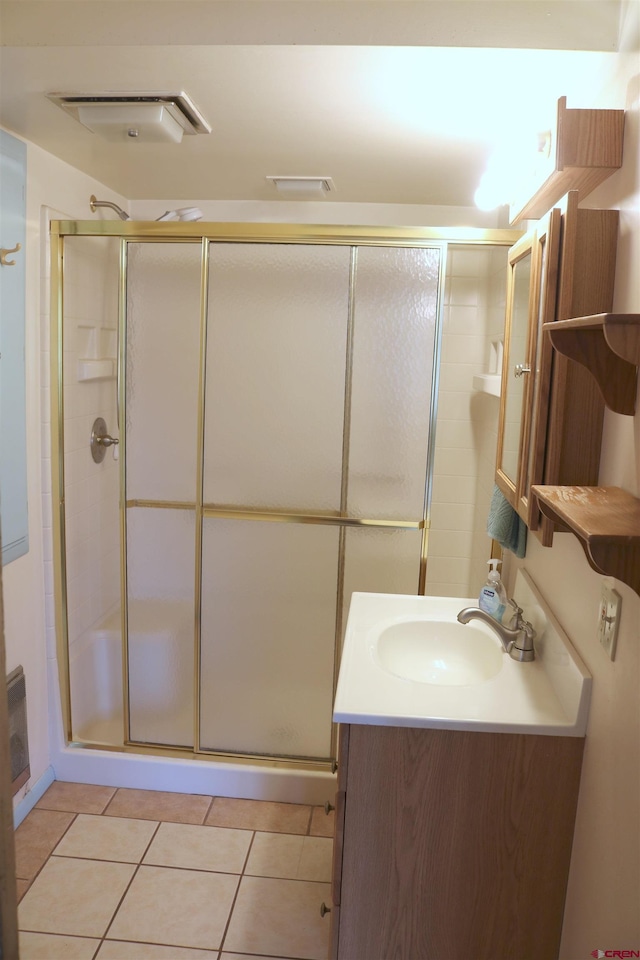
<point>93,204</point>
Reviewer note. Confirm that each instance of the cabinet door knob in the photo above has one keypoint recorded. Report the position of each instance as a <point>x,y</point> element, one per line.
<point>324,909</point>
<point>328,807</point>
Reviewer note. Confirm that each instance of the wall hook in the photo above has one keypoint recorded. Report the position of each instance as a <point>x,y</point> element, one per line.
<point>4,253</point>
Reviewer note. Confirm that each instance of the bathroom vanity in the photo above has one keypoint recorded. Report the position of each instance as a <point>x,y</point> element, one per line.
<point>454,827</point>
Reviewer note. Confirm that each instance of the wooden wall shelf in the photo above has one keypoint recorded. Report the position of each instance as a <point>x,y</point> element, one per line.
<point>606,520</point>
<point>608,345</point>
<point>588,149</point>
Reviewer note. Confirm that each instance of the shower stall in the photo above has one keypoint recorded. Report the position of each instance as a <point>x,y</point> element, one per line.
<point>243,435</point>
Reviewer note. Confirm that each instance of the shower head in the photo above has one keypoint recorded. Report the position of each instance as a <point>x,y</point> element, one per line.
<point>184,213</point>
<point>93,203</point>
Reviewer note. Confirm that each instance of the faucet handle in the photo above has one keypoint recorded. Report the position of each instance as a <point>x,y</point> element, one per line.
<point>516,619</point>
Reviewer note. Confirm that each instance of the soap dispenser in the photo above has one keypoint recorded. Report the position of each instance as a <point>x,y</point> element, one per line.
<point>493,596</point>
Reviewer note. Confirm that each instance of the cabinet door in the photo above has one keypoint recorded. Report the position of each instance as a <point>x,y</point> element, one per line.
<point>547,255</point>
<point>519,350</point>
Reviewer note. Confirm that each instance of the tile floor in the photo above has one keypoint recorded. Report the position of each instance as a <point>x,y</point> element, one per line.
<point>119,874</point>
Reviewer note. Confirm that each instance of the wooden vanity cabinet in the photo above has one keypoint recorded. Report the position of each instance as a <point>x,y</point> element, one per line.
<point>451,844</point>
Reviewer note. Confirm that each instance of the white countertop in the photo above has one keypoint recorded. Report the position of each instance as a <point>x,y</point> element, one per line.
<point>547,696</point>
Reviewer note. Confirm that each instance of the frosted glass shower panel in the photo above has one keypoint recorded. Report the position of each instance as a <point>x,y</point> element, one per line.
<point>161,624</point>
<point>268,637</point>
<point>380,560</point>
<point>396,308</point>
<point>163,365</point>
<point>91,490</point>
<point>277,329</point>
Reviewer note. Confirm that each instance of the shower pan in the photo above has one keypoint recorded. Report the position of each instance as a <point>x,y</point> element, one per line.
<point>273,393</point>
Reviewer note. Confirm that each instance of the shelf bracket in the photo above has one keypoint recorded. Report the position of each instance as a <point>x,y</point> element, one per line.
<point>587,512</point>
<point>608,345</point>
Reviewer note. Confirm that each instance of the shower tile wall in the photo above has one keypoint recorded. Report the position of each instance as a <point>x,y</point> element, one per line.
<point>487,436</point>
<point>466,434</point>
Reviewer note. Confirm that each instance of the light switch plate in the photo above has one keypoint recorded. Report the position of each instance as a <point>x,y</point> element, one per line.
<point>608,619</point>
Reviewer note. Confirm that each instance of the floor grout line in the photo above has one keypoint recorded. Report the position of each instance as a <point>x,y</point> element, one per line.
<point>209,809</point>
<point>121,900</point>
<point>49,855</point>
<point>235,897</point>
<point>109,801</point>
<point>128,887</point>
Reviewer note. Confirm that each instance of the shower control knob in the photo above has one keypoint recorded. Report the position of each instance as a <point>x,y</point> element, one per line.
<point>100,440</point>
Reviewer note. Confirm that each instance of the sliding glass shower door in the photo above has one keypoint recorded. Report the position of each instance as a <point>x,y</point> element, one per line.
<point>275,444</point>
<point>274,425</point>
<point>318,395</point>
<point>160,449</point>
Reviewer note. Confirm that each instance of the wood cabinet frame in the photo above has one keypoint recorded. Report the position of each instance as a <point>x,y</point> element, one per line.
<point>544,245</point>
<point>526,246</point>
<point>574,255</point>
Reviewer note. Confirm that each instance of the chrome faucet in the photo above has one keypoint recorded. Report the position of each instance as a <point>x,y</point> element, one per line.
<point>517,639</point>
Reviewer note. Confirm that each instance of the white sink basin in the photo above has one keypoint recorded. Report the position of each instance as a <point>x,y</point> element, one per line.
<point>406,661</point>
<point>438,652</point>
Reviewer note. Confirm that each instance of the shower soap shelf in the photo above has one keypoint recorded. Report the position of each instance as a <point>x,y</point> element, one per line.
<point>97,348</point>
<point>491,381</point>
<point>487,383</point>
<point>96,370</point>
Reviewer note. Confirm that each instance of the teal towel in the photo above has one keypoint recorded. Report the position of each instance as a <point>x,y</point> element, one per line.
<point>505,526</point>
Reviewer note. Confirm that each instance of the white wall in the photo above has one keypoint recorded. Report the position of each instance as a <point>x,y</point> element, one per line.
<point>604,885</point>
<point>29,631</point>
<point>318,211</point>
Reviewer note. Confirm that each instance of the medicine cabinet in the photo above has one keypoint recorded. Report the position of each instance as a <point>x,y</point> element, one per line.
<point>551,411</point>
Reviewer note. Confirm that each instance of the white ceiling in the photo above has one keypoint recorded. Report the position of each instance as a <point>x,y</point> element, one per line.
<point>397,102</point>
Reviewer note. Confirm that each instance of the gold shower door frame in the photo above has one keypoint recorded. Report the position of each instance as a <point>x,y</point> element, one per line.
<point>206,234</point>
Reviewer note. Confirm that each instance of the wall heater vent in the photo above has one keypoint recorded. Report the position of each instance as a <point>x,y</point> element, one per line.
<point>18,742</point>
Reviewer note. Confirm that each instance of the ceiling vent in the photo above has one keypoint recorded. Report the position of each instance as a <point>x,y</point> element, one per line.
<point>303,187</point>
<point>146,117</point>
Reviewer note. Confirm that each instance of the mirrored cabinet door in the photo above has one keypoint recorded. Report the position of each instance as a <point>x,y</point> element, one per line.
<point>517,365</point>
<point>547,252</point>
